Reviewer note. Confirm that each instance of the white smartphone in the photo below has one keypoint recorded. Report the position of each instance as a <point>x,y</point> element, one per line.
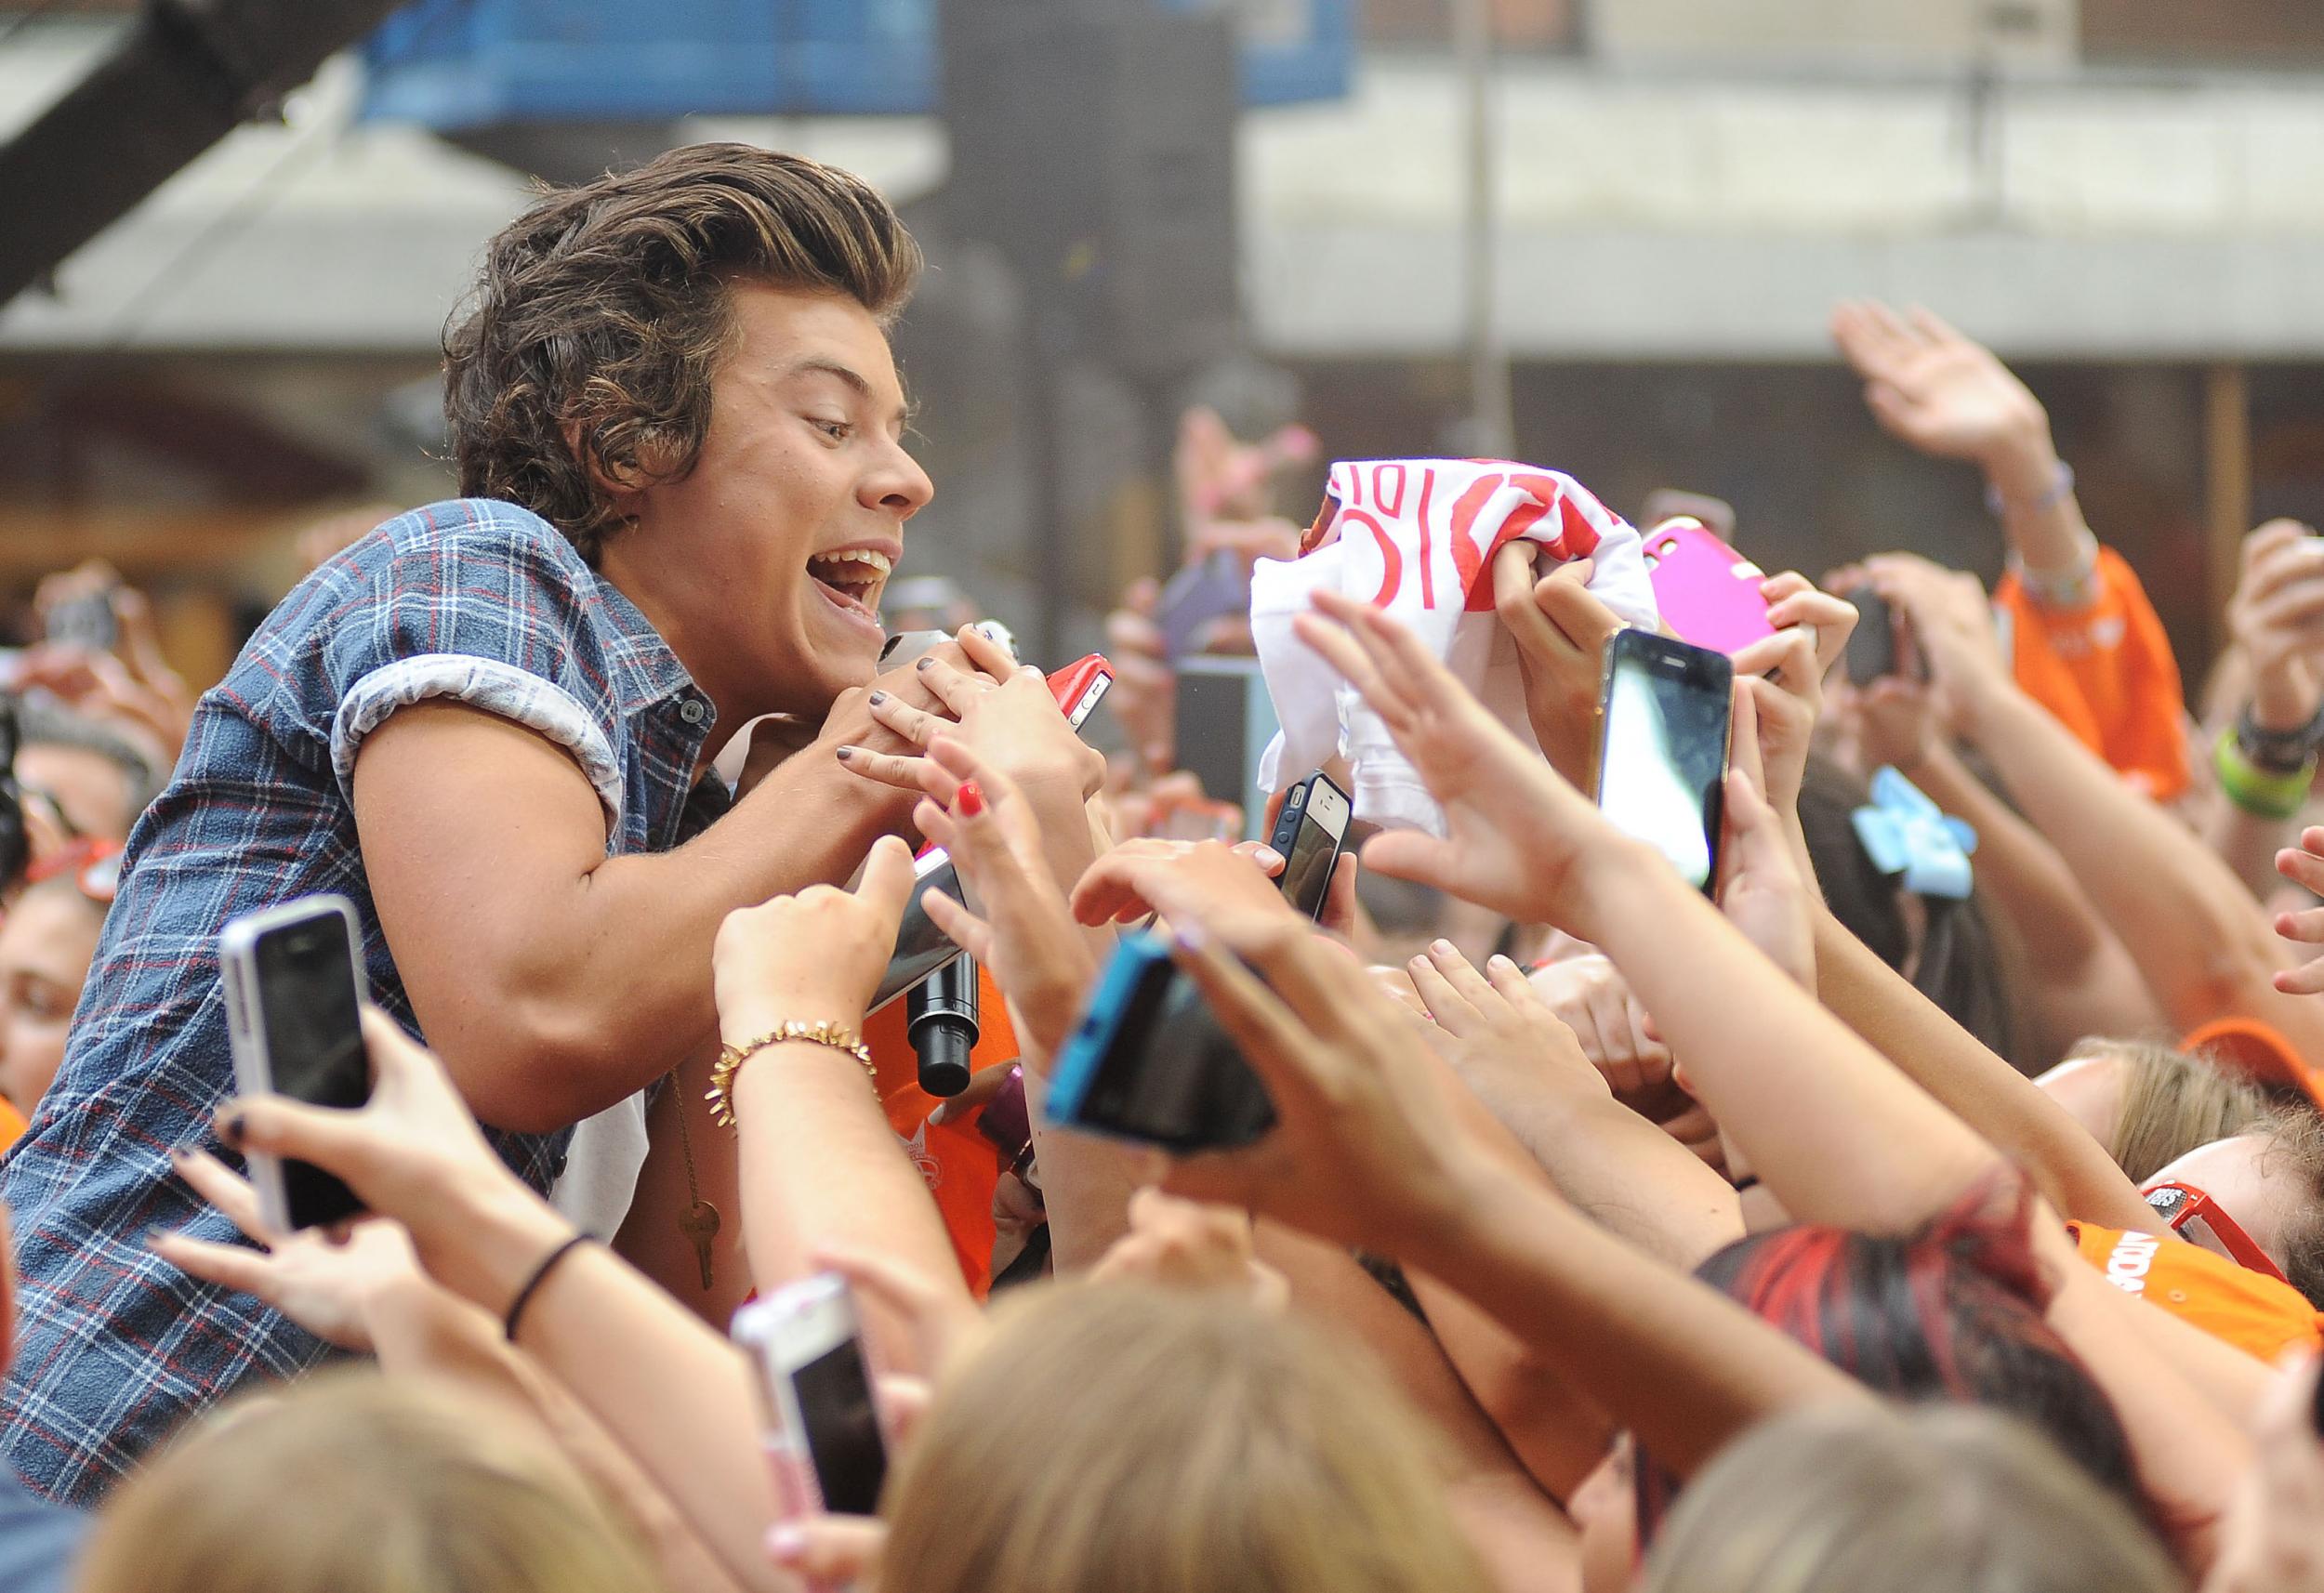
<point>294,1004</point>
<point>821,1419</point>
<point>1309,834</point>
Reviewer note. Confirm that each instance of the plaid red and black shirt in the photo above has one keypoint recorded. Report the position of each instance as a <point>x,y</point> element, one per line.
<point>474,601</point>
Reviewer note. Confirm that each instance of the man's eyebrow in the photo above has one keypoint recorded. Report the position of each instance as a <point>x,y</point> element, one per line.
<point>854,379</point>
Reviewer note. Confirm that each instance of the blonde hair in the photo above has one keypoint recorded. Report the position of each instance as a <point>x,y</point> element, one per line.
<point>352,1482</point>
<point>2172,1103</point>
<point>1112,1438</point>
<point>1939,1499</point>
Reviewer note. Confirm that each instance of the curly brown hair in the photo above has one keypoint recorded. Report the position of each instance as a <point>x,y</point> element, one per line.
<point>605,307</point>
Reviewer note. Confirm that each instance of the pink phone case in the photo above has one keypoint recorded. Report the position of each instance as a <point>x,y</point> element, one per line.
<point>1708,592</point>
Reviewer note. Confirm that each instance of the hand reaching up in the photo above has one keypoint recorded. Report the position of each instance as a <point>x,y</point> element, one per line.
<point>2276,615</point>
<point>1366,1150</point>
<point>1760,888</point>
<point>1501,1037</point>
<point>1115,888</point>
<point>1518,837</point>
<point>1562,631</point>
<point>1591,998</point>
<point>1783,674</point>
<point>811,957</point>
<point>2304,865</point>
<point>328,1283</point>
<point>1933,388</point>
<point>1952,628</point>
<point>414,1153</point>
<point>1025,934</point>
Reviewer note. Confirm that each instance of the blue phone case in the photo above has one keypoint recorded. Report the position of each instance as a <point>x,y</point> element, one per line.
<point>1148,1062</point>
<point>1136,959</point>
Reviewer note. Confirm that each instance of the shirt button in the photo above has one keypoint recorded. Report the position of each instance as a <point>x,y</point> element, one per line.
<point>692,711</point>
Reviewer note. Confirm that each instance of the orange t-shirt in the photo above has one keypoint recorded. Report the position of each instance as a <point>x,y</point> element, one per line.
<point>12,1124</point>
<point>2107,673</point>
<point>2258,1314</point>
<point>959,1163</point>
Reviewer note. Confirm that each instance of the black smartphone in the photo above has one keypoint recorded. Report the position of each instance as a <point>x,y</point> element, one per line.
<point>1872,646</point>
<point>1149,1063</point>
<point>1308,833</point>
<point>294,1013</point>
<point>1663,729</point>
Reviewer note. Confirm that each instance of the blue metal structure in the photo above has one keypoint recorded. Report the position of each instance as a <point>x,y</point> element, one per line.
<point>455,64</point>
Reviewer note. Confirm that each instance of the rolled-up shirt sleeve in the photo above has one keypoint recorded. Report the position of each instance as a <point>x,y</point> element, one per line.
<point>541,707</point>
<point>484,605</point>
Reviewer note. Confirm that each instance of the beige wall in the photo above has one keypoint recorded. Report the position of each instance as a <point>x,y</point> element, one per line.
<point>1907,33</point>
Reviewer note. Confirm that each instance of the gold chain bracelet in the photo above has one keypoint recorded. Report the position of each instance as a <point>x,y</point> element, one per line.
<point>838,1036</point>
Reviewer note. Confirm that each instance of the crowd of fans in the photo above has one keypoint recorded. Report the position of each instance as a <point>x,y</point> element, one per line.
<point>1838,1228</point>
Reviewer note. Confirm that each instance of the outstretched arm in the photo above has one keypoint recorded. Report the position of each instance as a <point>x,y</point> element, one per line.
<point>2080,979</point>
<point>678,1397</point>
<point>1838,1134</point>
<point>1947,396</point>
<point>2202,945</point>
<point>1366,1151</point>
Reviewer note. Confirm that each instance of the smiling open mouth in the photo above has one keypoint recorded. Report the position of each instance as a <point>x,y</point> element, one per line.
<point>856,575</point>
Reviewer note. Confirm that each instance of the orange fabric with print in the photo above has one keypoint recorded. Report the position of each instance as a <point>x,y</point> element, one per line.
<point>12,1124</point>
<point>2107,671</point>
<point>2257,1314</point>
<point>959,1163</point>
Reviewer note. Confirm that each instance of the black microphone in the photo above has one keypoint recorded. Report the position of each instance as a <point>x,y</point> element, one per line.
<point>943,1016</point>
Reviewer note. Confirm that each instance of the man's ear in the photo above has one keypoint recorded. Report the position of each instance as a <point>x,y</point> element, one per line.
<point>623,485</point>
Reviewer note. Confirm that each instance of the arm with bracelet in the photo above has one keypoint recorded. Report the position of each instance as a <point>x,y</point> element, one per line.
<point>2264,760</point>
<point>2086,644</point>
<point>821,1165</point>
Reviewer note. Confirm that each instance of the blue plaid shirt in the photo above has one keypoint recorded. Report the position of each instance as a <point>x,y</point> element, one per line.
<point>474,601</point>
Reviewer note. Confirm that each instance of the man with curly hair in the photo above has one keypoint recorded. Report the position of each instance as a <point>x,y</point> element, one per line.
<point>489,723</point>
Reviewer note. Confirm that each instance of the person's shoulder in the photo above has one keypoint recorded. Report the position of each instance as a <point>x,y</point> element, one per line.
<point>447,567</point>
<point>471,528</point>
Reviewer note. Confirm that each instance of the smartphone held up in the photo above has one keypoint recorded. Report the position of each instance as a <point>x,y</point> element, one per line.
<point>294,979</point>
<point>822,1422</point>
<point>1664,724</point>
<point>1148,1061</point>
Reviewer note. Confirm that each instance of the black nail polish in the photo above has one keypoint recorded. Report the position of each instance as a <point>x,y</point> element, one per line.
<point>230,1130</point>
<point>846,753</point>
<point>878,698</point>
<point>926,659</point>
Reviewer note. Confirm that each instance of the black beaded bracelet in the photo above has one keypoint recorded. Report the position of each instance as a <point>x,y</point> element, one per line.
<point>2280,752</point>
<point>532,1284</point>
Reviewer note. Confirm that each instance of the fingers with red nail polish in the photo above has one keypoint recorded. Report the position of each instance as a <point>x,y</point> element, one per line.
<point>969,802</point>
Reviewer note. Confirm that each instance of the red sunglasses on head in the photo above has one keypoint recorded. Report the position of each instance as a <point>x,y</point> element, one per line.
<point>2200,1219</point>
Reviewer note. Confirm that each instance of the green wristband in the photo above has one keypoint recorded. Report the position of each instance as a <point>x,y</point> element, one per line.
<point>2261,793</point>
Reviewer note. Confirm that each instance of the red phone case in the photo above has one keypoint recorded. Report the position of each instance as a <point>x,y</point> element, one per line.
<point>1708,592</point>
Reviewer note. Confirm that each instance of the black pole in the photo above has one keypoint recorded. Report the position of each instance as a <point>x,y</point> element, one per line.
<point>178,80</point>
